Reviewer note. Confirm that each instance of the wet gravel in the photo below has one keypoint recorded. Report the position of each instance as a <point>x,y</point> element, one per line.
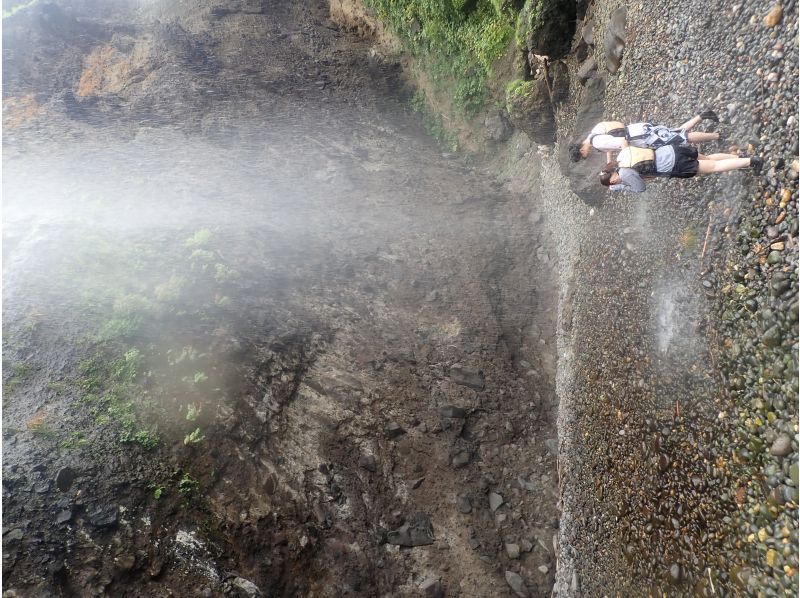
<point>678,324</point>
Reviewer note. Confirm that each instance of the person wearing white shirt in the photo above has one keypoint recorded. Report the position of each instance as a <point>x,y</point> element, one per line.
<point>608,136</point>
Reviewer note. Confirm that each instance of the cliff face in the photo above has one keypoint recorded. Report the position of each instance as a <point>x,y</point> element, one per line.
<point>260,335</point>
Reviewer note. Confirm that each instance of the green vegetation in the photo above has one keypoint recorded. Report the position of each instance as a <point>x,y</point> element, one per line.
<point>188,485</point>
<point>194,437</point>
<point>20,372</point>
<point>433,123</point>
<point>114,397</point>
<point>192,412</point>
<point>15,9</point>
<point>457,41</point>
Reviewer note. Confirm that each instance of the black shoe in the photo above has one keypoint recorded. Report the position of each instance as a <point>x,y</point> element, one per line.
<point>709,115</point>
<point>756,162</point>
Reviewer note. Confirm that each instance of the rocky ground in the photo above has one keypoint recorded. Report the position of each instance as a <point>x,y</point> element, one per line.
<point>260,336</point>
<point>332,358</point>
<point>678,385</point>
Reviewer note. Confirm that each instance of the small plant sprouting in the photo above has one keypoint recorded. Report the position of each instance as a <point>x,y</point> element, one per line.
<point>223,274</point>
<point>187,485</point>
<point>158,491</point>
<point>196,379</point>
<point>193,411</point>
<point>200,238</point>
<point>194,437</point>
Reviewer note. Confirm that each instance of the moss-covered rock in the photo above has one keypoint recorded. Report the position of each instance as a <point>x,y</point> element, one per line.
<point>546,26</point>
<point>529,109</point>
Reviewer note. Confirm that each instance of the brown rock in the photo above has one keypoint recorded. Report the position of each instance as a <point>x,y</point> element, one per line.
<point>773,17</point>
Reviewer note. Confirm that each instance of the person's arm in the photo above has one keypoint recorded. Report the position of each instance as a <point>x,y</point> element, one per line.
<point>609,155</point>
<point>630,181</point>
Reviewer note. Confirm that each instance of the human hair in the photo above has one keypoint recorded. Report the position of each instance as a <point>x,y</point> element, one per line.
<point>575,152</point>
<point>605,174</point>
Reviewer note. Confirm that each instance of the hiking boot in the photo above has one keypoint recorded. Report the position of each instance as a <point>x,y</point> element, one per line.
<point>709,115</point>
<point>756,162</point>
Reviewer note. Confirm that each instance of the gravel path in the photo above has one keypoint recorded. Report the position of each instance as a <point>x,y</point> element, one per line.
<point>678,335</point>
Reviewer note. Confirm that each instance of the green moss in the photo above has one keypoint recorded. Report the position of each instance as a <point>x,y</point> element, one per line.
<point>456,41</point>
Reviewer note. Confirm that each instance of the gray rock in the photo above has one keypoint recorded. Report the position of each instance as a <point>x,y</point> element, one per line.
<point>64,516</point>
<point>432,588</point>
<point>64,478</point>
<point>104,516</point>
<point>393,430</point>
<point>417,531</point>
<point>543,569</point>
<point>772,337</point>
<point>14,534</point>
<point>244,588</point>
<point>515,583</point>
<point>453,412</point>
<point>368,462</point>
<point>782,446</point>
<point>586,69</point>
<point>615,39</point>
<point>461,459</point>
<point>463,504</point>
<point>469,377</point>
<point>497,127</point>
<point>512,550</point>
<point>495,501</point>
<point>525,484</point>
<point>526,545</point>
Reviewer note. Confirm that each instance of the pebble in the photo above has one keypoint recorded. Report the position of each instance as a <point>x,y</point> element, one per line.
<point>773,17</point>
<point>495,501</point>
<point>512,550</point>
<point>516,584</point>
<point>782,446</point>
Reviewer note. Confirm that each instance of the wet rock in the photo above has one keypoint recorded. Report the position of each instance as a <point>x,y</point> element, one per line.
<point>469,377</point>
<point>432,588</point>
<point>14,534</point>
<point>516,584</point>
<point>368,462</point>
<point>105,516</point>
<point>782,446</point>
<point>244,588</point>
<point>393,430</point>
<point>495,501</point>
<point>545,27</point>
<point>615,39</point>
<point>463,504</point>
<point>559,81</point>
<point>530,109</point>
<point>417,531</point>
<point>497,127</point>
<point>64,478</point>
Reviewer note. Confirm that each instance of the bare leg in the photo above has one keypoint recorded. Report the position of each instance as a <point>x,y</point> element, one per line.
<point>717,157</point>
<point>711,166</point>
<point>690,123</point>
<point>700,137</point>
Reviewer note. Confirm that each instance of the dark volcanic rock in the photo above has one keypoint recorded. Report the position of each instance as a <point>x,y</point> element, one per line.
<point>64,478</point>
<point>530,109</point>
<point>417,531</point>
<point>545,27</point>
